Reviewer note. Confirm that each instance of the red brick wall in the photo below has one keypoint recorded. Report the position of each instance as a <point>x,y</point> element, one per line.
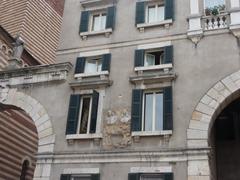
<point>58,5</point>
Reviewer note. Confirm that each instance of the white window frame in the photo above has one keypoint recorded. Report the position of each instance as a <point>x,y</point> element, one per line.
<point>97,59</point>
<point>92,20</point>
<point>156,12</point>
<point>154,110</point>
<point>149,51</point>
<point>80,114</point>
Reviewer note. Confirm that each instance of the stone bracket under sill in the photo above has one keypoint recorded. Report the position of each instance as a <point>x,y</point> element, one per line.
<point>91,84</point>
<point>152,78</point>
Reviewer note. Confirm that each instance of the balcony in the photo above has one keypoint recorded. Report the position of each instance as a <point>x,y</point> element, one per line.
<point>214,22</point>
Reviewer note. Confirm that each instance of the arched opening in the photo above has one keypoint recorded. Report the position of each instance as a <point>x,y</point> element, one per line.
<point>225,143</point>
<point>18,140</point>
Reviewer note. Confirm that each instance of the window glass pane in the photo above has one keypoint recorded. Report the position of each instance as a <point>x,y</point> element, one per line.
<point>212,3</point>
<point>150,60</point>
<point>159,112</point>
<point>99,68</point>
<point>91,66</point>
<point>151,14</point>
<point>84,115</point>
<point>96,23</point>
<point>81,178</point>
<point>148,112</point>
<point>160,15</point>
<point>103,21</point>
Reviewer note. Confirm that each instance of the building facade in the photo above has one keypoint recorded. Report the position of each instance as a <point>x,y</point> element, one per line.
<point>144,90</point>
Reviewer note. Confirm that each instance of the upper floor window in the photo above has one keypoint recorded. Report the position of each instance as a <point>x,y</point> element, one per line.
<point>147,58</point>
<point>97,22</point>
<point>93,65</point>
<point>150,176</point>
<point>152,13</point>
<point>214,7</point>
<point>80,177</point>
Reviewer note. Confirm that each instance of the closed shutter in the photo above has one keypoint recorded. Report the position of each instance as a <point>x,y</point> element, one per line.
<point>65,177</point>
<point>94,112</point>
<point>168,176</point>
<point>136,122</point>
<point>73,113</point>
<point>111,16</point>
<point>133,176</point>
<point>139,58</point>
<point>106,62</point>
<point>84,22</point>
<point>95,177</point>
<point>140,12</point>
<point>167,109</point>
<point>169,9</point>
<point>80,65</point>
<point>168,55</point>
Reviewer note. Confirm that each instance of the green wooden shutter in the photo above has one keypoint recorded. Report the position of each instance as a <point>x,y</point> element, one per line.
<point>140,12</point>
<point>111,16</point>
<point>136,122</point>
<point>167,109</point>
<point>95,177</point>
<point>65,177</point>
<point>139,58</point>
<point>168,176</point>
<point>169,9</point>
<point>80,65</point>
<point>168,55</point>
<point>84,22</point>
<point>73,114</point>
<point>133,176</point>
<point>95,98</point>
<point>106,62</point>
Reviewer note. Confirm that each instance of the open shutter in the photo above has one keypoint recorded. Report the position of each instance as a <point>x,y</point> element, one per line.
<point>136,122</point>
<point>94,112</point>
<point>95,177</point>
<point>80,65</point>
<point>106,62</point>
<point>111,16</point>
<point>140,12</point>
<point>65,177</point>
<point>84,22</point>
<point>73,113</point>
<point>168,176</point>
<point>168,55</point>
<point>167,109</point>
<point>169,9</point>
<point>139,58</point>
<point>133,176</point>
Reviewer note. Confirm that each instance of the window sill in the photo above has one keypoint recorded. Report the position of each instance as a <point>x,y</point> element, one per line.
<point>157,67</point>
<point>152,133</point>
<point>165,23</point>
<point>107,32</point>
<point>83,136</point>
<point>82,75</point>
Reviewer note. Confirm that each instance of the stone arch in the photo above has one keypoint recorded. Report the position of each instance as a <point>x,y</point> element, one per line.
<point>38,114</point>
<point>208,108</point>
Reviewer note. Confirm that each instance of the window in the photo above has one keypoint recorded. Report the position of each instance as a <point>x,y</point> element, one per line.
<point>154,57</point>
<point>153,111</point>
<point>98,22</point>
<point>81,177</point>
<point>25,167</point>
<point>93,65</point>
<point>155,13</point>
<point>214,7</point>
<point>150,176</point>
<point>82,113</point>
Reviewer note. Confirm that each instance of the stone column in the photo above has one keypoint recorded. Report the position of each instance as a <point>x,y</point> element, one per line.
<point>195,30</point>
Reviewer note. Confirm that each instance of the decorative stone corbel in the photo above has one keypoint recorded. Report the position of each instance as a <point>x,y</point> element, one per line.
<point>195,39</point>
